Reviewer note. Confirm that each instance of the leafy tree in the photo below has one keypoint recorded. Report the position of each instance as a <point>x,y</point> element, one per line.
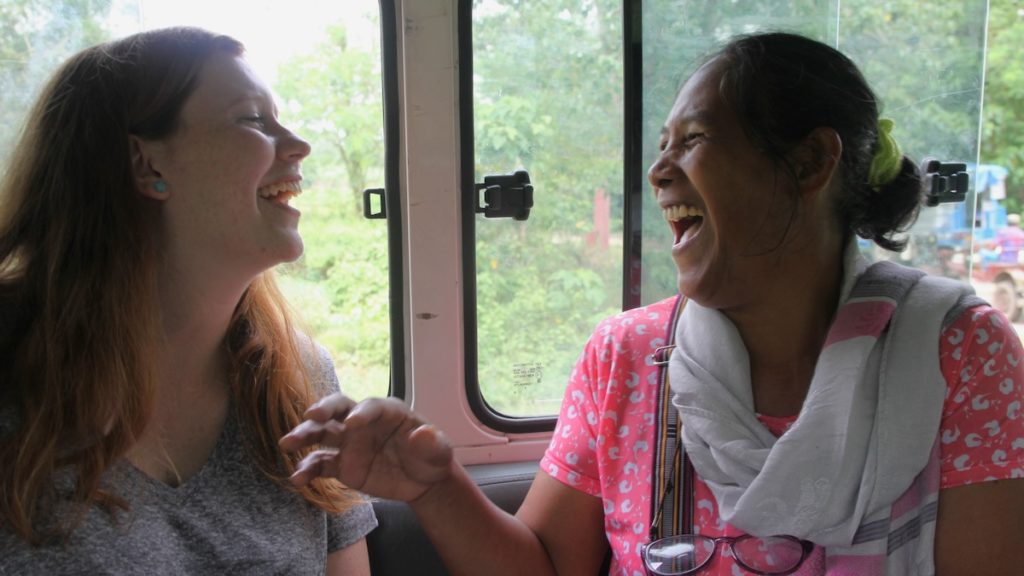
<point>334,93</point>
<point>925,63</point>
<point>35,37</point>
<point>923,60</point>
<point>332,96</point>
<point>1003,129</point>
<point>547,98</point>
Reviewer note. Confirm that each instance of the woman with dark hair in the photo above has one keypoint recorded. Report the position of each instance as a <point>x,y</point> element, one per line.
<point>148,363</point>
<point>809,412</point>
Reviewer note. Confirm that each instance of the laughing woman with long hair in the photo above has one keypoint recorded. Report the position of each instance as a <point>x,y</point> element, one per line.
<point>148,364</point>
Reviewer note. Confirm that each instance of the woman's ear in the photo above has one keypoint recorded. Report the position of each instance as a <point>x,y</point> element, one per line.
<point>816,160</point>
<point>148,180</point>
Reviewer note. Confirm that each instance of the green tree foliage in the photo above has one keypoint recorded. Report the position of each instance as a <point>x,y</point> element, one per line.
<point>35,37</point>
<point>1003,129</point>
<point>547,98</point>
<point>924,60</point>
<point>332,96</point>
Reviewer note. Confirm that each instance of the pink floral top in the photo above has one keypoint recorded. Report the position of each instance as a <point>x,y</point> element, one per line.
<point>604,441</point>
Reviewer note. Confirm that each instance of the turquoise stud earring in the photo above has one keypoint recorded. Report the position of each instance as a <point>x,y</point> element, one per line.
<point>160,186</point>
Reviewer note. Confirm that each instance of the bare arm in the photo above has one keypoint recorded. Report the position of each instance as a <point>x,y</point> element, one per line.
<point>385,450</point>
<point>550,534</point>
<point>570,523</point>
<point>980,529</point>
<point>352,560</point>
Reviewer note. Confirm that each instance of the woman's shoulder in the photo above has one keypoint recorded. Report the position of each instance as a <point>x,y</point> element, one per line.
<point>979,332</point>
<point>982,361</point>
<point>625,342</point>
<point>350,526</point>
<point>318,364</point>
<point>980,352</point>
<point>652,319</point>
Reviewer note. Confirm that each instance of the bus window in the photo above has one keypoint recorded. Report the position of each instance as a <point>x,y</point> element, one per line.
<point>35,37</point>
<point>328,87</point>
<point>542,283</point>
<point>333,93</point>
<point>925,62</point>
<point>547,99</point>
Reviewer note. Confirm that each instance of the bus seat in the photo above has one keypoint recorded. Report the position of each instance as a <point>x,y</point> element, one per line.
<point>399,547</point>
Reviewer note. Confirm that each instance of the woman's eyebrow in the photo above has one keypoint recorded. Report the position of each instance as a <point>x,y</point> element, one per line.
<point>250,95</point>
<point>699,116</point>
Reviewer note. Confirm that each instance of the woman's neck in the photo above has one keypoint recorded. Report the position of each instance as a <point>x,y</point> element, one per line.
<point>785,332</point>
<point>196,312</point>
<point>192,391</point>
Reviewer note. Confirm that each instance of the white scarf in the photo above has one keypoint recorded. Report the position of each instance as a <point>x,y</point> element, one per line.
<point>866,428</point>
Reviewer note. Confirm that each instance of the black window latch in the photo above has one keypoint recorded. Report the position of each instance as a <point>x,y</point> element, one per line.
<point>505,196</point>
<point>944,181</point>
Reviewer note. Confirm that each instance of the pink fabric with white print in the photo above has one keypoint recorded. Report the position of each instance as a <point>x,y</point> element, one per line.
<point>603,444</point>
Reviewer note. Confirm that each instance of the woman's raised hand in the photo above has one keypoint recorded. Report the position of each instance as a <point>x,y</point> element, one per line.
<point>377,446</point>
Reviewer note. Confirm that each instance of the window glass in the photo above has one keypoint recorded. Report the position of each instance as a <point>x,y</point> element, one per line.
<point>35,37</point>
<point>677,34</point>
<point>322,59</point>
<point>547,98</point>
<point>925,62</point>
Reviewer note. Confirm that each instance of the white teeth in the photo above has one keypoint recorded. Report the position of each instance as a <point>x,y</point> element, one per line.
<point>678,212</point>
<point>292,186</point>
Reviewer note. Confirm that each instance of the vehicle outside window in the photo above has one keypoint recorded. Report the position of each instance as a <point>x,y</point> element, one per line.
<point>926,64</point>
<point>547,105</point>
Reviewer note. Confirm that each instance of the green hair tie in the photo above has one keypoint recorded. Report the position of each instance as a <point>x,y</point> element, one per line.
<point>885,166</point>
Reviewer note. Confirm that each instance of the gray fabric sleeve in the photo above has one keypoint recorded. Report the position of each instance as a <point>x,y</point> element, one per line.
<point>350,526</point>
<point>355,523</point>
<point>319,366</point>
<point>325,376</point>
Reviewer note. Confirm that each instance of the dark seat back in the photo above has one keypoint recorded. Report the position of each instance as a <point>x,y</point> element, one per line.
<point>399,547</point>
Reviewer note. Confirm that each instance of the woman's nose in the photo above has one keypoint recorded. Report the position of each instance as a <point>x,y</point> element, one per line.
<point>658,175</point>
<point>292,147</point>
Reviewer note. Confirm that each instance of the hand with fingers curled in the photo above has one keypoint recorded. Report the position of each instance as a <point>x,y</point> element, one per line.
<point>377,446</point>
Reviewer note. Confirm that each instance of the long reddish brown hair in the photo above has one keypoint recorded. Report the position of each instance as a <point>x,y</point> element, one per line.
<point>79,318</point>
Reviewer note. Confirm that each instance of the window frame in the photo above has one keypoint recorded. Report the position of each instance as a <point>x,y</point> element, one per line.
<point>393,197</point>
<point>633,206</point>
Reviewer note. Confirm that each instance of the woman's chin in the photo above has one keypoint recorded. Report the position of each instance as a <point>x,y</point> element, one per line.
<point>696,284</point>
<point>289,250</point>
<point>296,252</point>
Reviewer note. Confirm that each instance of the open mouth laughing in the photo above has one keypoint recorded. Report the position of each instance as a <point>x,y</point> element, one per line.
<point>281,192</point>
<point>683,218</point>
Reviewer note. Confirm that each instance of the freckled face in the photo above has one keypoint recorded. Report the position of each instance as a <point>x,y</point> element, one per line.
<point>724,198</point>
<point>230,169</point>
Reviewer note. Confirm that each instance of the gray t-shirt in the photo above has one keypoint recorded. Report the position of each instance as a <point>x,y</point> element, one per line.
<point>227,519</point>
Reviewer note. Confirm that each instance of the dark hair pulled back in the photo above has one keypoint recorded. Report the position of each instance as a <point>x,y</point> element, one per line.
<point>782,86</point>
